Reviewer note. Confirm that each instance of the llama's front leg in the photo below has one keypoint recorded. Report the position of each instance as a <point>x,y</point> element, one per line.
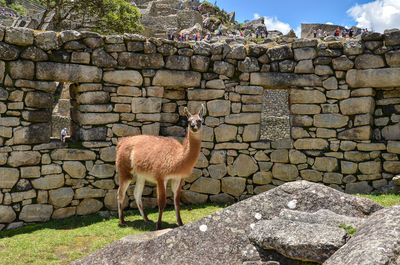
<point>176,185</point>
<point>162,200</point>
<point>140,181</point>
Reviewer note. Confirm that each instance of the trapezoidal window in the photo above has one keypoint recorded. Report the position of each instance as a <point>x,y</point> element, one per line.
<point>275,120</point>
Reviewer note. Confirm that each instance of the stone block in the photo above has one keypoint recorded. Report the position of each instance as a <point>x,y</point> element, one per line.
<point>279,53</point>
<point>330,120</point>
<point>361,187</point>
<point>275,80</point>
<point>306,96</point>
<point>348,167</point>
<point>311,175</point>
<point>304,67</point>
<point>328,164</point>
<point>262,178</point>
<point>48,182</point>
<point>305,109</point>
<point>217,108</point>
<point>393,58</point>
<point>7,214</point>
<point>311,144</point>
<point>64,213</point>
<point>296,157</point>
<point>251,133</point>
<point>217,171</point>
<point>225,133</point>
<point>177,62</point>
<point>141,61</point>
<point>102,171</point>
<point>170,78</point>
<point>88,206</point>
<point>61,197</point>
<point>72,154</point>
<point>285,172</point>
<point>243,118</point>
<point>206,185</point>
<point>244,166</point>
<point>359,105</point>
<point>19,36</point>
<point>224,68</point>
<point>369,61</point>
<point>39,100</point>
<point>200,63</point>
<point>233,185</point>
<point>332,178</point>
<point>281,155</point>
<point>22,69</point>
<point>358,133</point>
<point>8,177</point>
<point>24,158</point>
<point>86,192</point>
<point>68,72</point>
<point>191,197</point>
<point>123,77</point>
<point>387,77</point>
<point>146,105</point>
<point>36,213</point>
<point>97,118</point>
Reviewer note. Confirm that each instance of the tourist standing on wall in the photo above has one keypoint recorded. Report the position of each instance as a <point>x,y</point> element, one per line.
<point>351,33</point>
<point>319,33</point>
<point>315,33</point>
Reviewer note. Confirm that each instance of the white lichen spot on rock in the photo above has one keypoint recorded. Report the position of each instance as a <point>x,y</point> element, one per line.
<point>252,226</point>
<point>203,228</point>
<point>292,204</point>
<point>258,216</point>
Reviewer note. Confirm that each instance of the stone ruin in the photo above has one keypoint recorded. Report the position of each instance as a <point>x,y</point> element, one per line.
<point>292,224</point>
<point>315,111</point>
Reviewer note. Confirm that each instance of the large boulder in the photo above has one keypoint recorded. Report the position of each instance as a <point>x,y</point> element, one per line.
<point>221,238</point>
<point>376,242</point>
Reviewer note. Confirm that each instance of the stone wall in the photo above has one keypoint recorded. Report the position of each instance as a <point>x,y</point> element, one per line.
<point>343,101</point>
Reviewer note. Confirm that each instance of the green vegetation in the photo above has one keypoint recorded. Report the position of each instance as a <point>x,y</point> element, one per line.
<point>349,229</point>
<point>15,5</point>
<point>386,200</point>
<point>62,241</point>
<point>106,16</point>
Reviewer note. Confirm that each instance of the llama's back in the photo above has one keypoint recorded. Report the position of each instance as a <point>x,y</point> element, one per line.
<point>155,155</point>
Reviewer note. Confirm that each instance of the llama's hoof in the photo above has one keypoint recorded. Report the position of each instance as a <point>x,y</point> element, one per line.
<point>123,224</point>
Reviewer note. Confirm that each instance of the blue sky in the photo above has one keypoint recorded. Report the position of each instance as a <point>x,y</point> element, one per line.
<point>284,15</point>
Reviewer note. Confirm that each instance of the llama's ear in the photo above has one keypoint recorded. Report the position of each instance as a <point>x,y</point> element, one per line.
<point>186,112</point>
<point>202,110</point>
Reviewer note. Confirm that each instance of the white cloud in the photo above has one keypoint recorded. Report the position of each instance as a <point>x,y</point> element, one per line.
<point>273,23</point>
<point>329,23</point>
<point>377,15</point>
<point>256,16</point>
<point>298,31</point>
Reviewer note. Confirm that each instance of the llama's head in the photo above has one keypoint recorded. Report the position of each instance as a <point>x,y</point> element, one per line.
<point>194,120</point>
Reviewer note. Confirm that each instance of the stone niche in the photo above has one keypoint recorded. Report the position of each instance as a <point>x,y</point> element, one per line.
<point>275,122</point>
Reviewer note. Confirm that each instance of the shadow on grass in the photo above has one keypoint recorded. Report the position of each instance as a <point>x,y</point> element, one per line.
<point>82,221</point>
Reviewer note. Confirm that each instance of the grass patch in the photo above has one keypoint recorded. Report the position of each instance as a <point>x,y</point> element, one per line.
<point>349,229</point>
<point>62,241</point>
<point>386,200</point>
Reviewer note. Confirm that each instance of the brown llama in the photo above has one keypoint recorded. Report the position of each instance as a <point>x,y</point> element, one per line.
<point>158,159</point>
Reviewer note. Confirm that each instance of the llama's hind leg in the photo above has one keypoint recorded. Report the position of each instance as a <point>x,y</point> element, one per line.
<point>140,181</point>
<point>123,186</point>
<point>176,189</point>
<point>162,200</point>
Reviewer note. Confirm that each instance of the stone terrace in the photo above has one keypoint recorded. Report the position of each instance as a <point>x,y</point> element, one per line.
<point>343,98</point>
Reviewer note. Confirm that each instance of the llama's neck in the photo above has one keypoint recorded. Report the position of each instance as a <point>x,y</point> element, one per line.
<point>191,147</point>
